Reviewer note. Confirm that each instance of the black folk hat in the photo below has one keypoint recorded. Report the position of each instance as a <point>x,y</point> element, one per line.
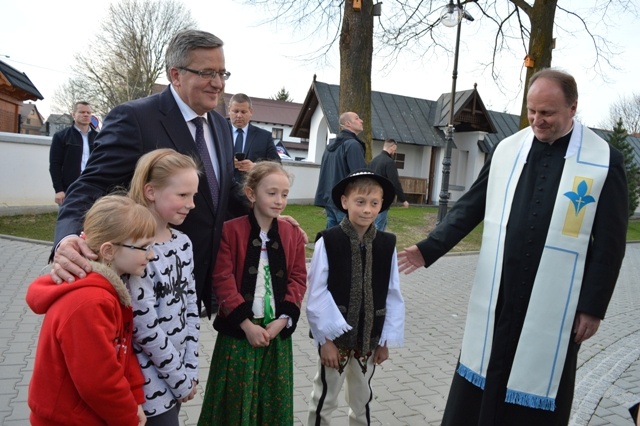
<point>388,191</point>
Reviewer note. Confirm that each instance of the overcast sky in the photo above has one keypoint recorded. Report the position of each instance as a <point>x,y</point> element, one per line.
<point>42,36</point>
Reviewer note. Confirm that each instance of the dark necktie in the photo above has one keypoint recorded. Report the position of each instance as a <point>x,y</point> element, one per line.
<point>239,141</point>
<point>206,161</point>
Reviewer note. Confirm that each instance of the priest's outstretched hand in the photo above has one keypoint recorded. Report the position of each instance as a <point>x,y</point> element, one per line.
<point>410,259</point>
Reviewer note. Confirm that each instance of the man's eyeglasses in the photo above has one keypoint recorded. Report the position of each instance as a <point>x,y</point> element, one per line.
<point>145,248</point>
<point>208,75</point>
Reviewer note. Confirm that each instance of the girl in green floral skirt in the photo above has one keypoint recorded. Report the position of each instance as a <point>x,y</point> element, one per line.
<point>259,280</point>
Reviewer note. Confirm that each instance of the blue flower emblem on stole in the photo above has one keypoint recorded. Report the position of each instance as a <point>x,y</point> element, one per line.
<point>580,199</point>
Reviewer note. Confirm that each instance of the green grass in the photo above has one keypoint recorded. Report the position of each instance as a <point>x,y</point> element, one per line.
<point>33,226</point>
<point>407,224</point>
<point>410,225</point>
<point>633,230</point>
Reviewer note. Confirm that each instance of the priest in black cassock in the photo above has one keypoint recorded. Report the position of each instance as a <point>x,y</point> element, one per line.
<point>553,198</point>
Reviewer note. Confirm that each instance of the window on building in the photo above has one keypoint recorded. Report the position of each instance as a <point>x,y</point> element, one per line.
<point>399,161</point>
<point>276,133</point>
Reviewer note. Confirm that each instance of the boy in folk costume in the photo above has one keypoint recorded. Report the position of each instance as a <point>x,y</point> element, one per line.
<point>553,198</point>
<point>355,308</point>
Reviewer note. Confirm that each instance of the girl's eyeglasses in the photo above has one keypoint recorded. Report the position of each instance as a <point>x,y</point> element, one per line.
<point>145,248</point>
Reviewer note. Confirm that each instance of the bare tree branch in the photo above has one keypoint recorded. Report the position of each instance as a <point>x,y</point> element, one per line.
<point>126,57</point>
<point>409,29</point>
<point>627,109</point>
<point>401,31</point>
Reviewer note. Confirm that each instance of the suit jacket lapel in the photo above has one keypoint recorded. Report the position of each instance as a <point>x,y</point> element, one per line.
<point>251,134</point>
<point>181,137</point>
<point>174,124</point>
<point>223,153</point>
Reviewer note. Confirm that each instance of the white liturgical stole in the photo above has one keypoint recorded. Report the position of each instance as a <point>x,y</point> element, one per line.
<point>544,340</point>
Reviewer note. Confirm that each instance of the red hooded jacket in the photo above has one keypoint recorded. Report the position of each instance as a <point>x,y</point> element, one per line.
<point>85,370</point>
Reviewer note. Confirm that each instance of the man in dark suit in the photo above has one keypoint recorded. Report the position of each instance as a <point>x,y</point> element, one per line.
<point>255,143</point>
<point>195,67</point>
<point>70,149</point>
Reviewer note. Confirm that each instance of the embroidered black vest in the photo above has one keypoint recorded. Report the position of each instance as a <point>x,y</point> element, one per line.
<point>350,298</point>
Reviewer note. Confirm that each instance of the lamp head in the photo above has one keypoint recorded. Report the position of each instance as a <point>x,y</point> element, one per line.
<point>451,15</point>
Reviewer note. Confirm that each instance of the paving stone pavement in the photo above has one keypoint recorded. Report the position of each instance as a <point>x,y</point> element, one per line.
<point>410,388</point>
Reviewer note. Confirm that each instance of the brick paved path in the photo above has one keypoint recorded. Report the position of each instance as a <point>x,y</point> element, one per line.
<point>410,388</point>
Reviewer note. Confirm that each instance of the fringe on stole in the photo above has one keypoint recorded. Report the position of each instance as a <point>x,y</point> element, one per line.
<point>470,375</point>
<point>531,400</point>
<point>513,397</point>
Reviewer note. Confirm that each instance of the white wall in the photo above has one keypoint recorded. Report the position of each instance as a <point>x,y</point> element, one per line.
<point>305,181</point>
<point>25,183</point>
<point>466,162</point>
<point>286,136</point>
<point>24,173</point>
<point>416,160</point>
<point>286,130</point>
<point>318,136</point>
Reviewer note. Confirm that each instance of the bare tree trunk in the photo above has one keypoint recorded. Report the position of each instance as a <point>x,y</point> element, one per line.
<point>541,16</point>
<point>356,52</point>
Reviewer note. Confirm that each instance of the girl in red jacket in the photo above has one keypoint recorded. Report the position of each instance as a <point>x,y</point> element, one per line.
<point>85,370</point>
<point>259,280</point>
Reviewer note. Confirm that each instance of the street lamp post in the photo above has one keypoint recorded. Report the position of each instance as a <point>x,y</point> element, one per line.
<point>451,16</point>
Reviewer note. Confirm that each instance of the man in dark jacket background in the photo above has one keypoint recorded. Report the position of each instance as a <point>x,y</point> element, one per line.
<point>70,149</point>
<point>343,155</point>
<point>384,165</point>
